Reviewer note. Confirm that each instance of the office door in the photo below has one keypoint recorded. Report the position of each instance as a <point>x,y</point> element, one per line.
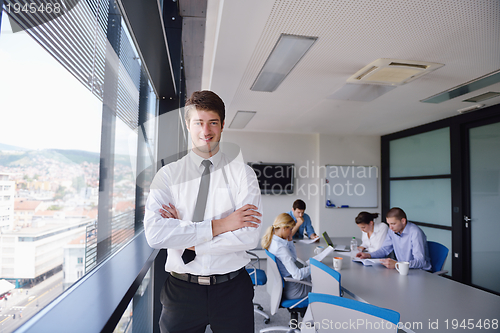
<point>482,216</point>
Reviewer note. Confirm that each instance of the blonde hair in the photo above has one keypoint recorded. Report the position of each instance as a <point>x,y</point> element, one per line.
<point>281,221</point>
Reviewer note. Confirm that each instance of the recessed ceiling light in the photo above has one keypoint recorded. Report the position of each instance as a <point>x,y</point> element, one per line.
<point>482,97</point>
<point>241,119</point>
<point>465,88</point>
<point>286,54</point>
<point>392,72</point>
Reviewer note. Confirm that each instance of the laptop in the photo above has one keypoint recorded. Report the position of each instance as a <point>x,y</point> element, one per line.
<point>328,239</point>
<point>330,243</point>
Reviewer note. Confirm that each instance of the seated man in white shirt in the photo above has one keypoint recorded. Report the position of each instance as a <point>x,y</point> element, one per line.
<point>205,209</point>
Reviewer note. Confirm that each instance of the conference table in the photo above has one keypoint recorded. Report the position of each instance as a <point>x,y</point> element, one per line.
<point>425,301</point>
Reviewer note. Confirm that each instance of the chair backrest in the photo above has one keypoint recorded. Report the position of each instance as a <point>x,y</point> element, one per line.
<point>274,282</point>
<point>339,313</point>
<point>437,253</point>
<point>257,275</point>
<point>325,279</point>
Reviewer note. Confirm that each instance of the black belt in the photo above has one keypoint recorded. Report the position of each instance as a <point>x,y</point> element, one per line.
<point>206,280</point>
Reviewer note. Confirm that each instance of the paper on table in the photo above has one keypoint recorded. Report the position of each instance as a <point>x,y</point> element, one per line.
<point>367,262</point>
<point>309,241</point>
<point>323,253</point>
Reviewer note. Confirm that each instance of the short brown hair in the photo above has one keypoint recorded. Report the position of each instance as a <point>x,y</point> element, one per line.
<point>299,204</point>
<point>397,212</point>
<point>205,100</point>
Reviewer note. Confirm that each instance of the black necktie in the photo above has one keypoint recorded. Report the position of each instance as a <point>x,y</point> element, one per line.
<point>199,209</point>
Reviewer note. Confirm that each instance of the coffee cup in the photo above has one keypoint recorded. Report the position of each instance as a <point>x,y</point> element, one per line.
<point>318,250</point>
<point>403,267</point>
<point>337,263</point>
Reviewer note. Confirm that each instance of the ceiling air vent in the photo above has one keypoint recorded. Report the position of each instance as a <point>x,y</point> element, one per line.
<point>392,72</point>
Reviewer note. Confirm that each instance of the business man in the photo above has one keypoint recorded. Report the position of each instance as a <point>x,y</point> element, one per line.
<point>406,239</point>
<point>205,209</point>
<point>302,221</point>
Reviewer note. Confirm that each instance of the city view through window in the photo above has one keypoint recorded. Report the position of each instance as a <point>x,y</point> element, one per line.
<point>50,143</point>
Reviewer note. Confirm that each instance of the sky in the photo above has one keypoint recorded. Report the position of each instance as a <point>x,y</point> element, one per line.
<point>41,104</point>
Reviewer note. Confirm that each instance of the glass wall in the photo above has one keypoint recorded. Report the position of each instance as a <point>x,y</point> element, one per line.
<point>74,96</point>
<point>420,183</point>
<point>484,145</point>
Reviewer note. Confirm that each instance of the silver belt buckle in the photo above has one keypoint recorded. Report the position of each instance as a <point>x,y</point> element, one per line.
<point>204,280</point>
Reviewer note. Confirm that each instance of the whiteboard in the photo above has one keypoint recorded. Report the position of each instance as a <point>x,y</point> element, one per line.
<point>351,186</point>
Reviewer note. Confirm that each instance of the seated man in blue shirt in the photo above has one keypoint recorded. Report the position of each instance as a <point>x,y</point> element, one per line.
<point>302,221</point>
<point>406,239</point>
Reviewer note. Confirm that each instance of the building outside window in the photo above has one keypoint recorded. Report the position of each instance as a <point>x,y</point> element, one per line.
<point>69,149</point>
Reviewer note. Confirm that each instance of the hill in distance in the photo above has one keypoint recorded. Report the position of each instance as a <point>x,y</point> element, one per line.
<point>12,155</point>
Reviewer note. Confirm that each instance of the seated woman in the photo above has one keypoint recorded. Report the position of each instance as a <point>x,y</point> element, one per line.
<point>278,241</point>
<point>373,233</point>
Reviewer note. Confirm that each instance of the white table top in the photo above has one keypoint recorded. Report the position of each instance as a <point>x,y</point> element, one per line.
<point>424,300</point>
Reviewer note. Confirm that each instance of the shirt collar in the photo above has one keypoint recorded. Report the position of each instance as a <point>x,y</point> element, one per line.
<point>197,159</point>
<point>280,240</point>
<point>293,216</point>
<point>404,230</point>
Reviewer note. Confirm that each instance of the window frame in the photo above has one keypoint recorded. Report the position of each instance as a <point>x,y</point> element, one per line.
<point>458,174</point>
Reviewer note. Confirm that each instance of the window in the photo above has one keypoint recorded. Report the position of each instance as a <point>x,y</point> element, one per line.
<point>420,183</point>
<point>76,146</point>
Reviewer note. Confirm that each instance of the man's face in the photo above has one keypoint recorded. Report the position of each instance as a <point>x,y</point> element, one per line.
<point>298,213</point>
<point>396,225</point>
<point>205,128</point>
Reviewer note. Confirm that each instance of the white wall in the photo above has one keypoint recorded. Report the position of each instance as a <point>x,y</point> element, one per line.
<point>347,150</point>
<point>300,149</point>
<point>309,152</point>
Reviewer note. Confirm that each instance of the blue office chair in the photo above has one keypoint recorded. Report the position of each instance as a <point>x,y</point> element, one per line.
<point>437,253</point>
<point>333,313</point>
<point>259,278</point>
<point>325,280</point>
<point>275,285</point>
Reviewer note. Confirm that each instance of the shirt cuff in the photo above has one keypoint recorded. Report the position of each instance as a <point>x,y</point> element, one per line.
<point>203,233</point>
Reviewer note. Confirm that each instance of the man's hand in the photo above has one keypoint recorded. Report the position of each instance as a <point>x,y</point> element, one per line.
<point>389,263</point>
<point>169,212</point>
<point>295,228</point>
<point>300,220</point>
<point>363,255</point>
<point>240,218</point>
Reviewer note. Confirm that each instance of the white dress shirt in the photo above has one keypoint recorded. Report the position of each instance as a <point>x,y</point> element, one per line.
<point>375,241</point>
<point>284,250</point>
<point>178,183</point>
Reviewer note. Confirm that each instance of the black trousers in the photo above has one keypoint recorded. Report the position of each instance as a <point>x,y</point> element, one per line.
<point>190,307</point>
